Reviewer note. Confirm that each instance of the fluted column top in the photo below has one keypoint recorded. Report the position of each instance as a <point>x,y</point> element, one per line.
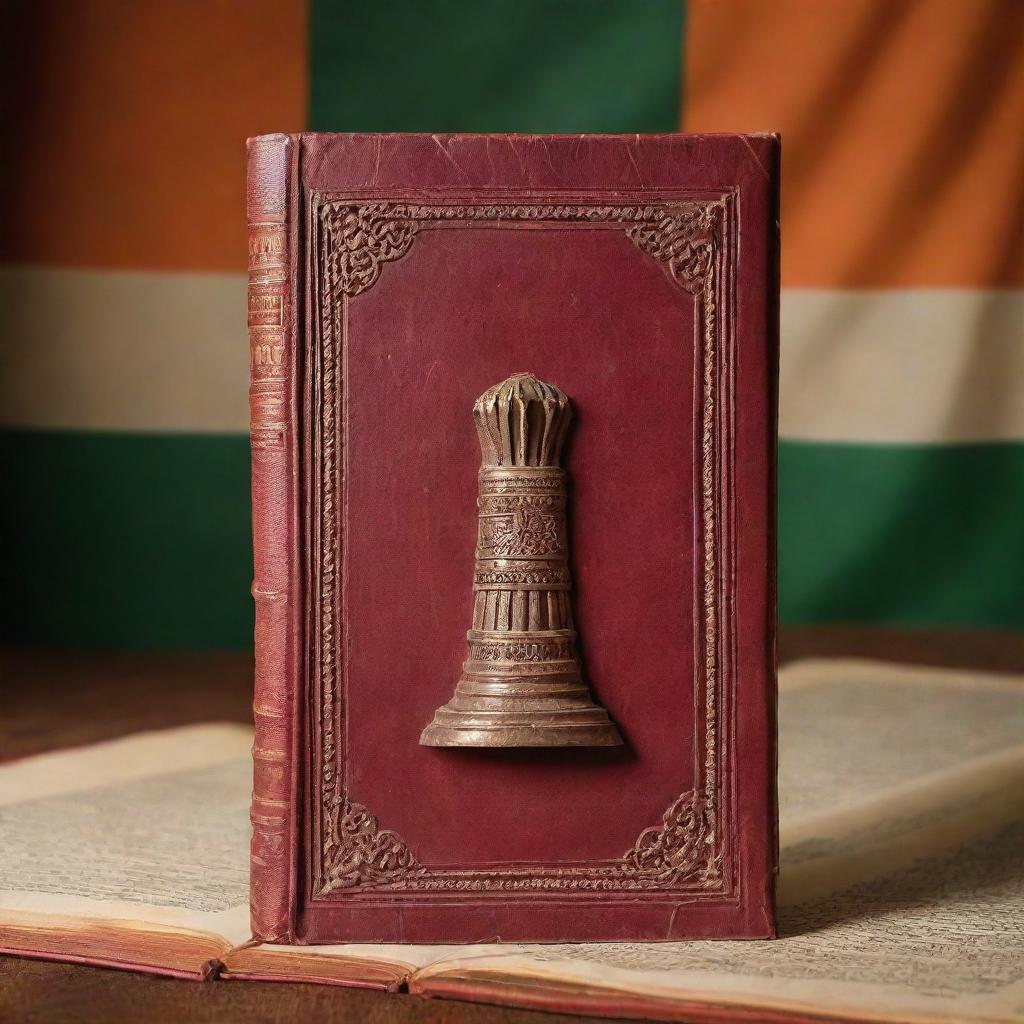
<point>522,422</point>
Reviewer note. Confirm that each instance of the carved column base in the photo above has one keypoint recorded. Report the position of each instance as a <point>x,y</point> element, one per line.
<point>521,690</point>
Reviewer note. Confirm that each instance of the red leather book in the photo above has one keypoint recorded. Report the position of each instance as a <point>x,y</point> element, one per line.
<point>393,280</point>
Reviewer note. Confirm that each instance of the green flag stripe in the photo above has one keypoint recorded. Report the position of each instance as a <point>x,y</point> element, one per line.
<point>127,540</point>
<point>496,66</point>
<point>142,540</point>
<point>911,535</point>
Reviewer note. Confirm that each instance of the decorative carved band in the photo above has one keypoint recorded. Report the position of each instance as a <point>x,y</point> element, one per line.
<point>491,575</point>
<point>507,483</point>
<point>496,504</point>
<point>522,534</point>
<point>682,852</point>
<point>482,647</point>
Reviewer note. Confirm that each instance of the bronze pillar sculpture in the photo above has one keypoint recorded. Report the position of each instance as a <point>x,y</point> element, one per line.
<point>521,684</point>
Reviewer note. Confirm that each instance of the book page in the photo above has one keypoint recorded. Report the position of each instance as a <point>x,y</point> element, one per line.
<point>900,888</point>
<point>902,895</point>
<point>940,941</point>
<point>870,755</point>
<point>851,730</point>
<point>152,828</point>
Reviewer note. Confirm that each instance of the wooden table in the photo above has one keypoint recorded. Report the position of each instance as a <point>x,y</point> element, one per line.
<point>50,700</point>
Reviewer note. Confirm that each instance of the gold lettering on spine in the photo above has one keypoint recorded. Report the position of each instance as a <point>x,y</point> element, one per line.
<point>268,295</point>
<point>267,249</point>
<point>266,308</point>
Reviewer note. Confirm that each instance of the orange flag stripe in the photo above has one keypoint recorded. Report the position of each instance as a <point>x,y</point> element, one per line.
<point>130,122</point>
<point>903,148</point>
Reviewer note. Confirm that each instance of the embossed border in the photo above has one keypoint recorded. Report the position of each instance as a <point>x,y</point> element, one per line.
<point>350,242</point>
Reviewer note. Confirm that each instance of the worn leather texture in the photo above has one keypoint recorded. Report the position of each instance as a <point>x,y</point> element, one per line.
<point>276,584</point>
<point>640,275</point>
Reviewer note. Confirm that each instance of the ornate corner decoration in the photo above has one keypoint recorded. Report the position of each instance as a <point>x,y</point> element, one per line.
<point>682,239</point>
<point>352,242</point>
<point>362,238</point>
<point>359,852</point>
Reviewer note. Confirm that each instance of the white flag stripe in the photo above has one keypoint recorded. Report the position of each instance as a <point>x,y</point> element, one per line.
<point>113,350</point>
<point>902,366</point>
<point>126,351</point>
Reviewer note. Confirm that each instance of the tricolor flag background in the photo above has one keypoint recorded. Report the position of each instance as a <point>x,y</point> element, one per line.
<point>122,292</point>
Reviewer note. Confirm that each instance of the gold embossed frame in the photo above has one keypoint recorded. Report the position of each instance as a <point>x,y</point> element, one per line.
<point>351,241</point>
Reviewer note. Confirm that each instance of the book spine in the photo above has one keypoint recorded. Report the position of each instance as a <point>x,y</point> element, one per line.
<point>272,352</point>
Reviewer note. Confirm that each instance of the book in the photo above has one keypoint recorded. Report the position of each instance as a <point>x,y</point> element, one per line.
<point>902,820</point>
<point>594,758</point>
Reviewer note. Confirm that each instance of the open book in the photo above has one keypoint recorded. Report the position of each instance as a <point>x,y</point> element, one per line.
<point>901,889</point>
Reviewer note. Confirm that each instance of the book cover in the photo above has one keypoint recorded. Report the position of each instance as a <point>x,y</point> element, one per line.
<point>394,280</point>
